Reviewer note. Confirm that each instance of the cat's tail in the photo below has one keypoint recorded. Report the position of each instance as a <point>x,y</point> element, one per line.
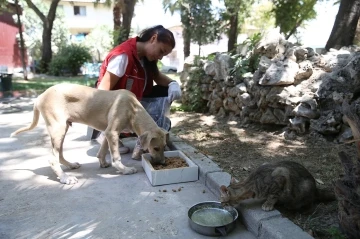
<point>325,195</point>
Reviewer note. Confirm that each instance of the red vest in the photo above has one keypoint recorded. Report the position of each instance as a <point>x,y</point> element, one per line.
<point>134,78</point>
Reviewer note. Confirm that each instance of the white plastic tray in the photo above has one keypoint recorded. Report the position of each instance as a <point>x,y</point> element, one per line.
<point>170,176</point>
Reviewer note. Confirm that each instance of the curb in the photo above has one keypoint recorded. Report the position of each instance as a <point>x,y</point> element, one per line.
<point>264,225</point>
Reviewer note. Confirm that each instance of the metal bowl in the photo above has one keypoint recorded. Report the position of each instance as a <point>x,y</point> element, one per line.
<point>212,219</point>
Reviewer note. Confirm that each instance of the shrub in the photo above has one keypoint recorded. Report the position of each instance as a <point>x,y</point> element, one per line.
<point>249,62</point>
<point>69,60</point>
<point>194,100</point>
<point>57,66</point>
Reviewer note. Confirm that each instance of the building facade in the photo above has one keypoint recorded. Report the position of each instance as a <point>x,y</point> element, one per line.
<point>10,55</point>
<point>83,15</point>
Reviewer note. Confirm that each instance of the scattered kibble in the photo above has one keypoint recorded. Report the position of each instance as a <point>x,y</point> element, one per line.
<point>204,191</point>
<point>174,190</point>
<point>164,190</point>
<point>156,200</point>
<point>179,189</point>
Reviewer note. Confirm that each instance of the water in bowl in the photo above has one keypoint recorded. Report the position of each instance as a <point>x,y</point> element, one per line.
<point>212,217</point>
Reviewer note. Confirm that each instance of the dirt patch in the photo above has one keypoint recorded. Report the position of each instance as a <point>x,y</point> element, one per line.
<point>172,162</point>
<point>239,149</point>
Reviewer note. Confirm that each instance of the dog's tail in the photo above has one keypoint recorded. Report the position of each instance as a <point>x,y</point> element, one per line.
<point>33,123</point>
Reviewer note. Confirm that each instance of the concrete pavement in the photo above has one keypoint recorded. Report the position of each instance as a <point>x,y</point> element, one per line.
<point>105,204</point>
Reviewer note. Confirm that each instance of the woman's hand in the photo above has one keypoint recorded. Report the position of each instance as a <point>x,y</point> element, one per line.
<point>174,91</point>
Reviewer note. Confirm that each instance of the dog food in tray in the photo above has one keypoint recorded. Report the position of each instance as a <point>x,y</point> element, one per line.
<point>173,175</point>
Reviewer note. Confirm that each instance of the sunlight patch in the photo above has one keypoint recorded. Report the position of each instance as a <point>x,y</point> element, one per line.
<point>7,140</point>
<point>107,175</point>
<point>208,120</point>
<point>21,175</point>
<point>147,194</point>
<point>83,233</point>
<point>232,122</point>
<point>274,145</point>
<point>176,120</point>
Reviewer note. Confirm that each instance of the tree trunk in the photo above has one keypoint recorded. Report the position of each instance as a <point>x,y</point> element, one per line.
<point>127,15</point>
<point>117,22</point>
<point>123,12</point>
<point>117,16</point>
<point>22,45</point>
<point>233,32</point>
<point>184,14</point>
<point>344,28</point>
<point>186,36</point>
<point>46,53</point>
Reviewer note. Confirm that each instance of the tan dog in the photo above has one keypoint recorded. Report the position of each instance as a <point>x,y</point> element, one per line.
<point>108,111</point>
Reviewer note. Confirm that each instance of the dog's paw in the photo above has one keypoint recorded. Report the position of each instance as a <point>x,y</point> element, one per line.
<point>74,165</point>
<point>129,170</point>
<point>105,164</point>
<point>66,179</point>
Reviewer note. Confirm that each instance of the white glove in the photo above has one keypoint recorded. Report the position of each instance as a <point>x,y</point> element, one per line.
<point>174,91</point>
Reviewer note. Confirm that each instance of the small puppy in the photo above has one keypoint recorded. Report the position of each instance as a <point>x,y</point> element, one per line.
<point>108,111</point>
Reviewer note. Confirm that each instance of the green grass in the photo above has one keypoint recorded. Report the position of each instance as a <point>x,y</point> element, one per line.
<point>335,233</point>
<point>42,83</point>
<point>179,107</point>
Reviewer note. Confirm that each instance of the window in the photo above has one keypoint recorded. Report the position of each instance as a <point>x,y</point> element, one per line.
<point>79,11</point>
<point>80,37</point>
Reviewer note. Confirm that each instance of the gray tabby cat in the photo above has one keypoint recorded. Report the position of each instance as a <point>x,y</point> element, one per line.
<point>285,182</point>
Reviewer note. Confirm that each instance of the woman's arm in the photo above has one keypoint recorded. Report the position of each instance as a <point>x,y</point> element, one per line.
<point>162,79</point>
<point>108,81</point>
<point>115,70</point>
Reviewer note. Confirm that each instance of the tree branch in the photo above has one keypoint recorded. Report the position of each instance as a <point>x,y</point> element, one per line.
<point>36,10</point>
<point>52,10</point>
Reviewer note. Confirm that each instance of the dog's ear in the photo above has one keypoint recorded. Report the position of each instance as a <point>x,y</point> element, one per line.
<point>145,140</point>
<point>167,135</point>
